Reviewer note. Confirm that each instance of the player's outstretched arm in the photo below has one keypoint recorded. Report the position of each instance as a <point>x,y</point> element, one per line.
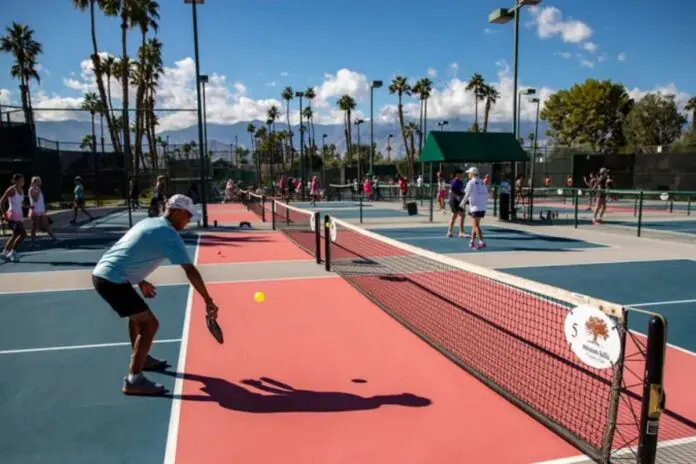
<point>196,280</point>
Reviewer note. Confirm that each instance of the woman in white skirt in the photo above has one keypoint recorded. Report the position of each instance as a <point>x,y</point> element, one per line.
<point>37,212</point>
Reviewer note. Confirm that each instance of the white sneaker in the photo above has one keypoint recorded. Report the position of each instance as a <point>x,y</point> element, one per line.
<point>13,257</point>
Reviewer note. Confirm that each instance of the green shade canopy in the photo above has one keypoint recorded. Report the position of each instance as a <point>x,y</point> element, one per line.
<point>471,147</point>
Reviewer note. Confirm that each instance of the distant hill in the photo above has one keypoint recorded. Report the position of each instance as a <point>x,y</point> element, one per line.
<point>221,136</point>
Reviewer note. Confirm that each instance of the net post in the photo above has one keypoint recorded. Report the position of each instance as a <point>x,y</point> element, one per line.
<point>616,388</point>
<point>688,205</point>
<point>273,214</point>
<point>317,235</point>
<point>327,243</point>
<point>263,208</point>
<point>653,392</point>
<point>640,212</point>
<point>576,199</point>
<point>361,208</point>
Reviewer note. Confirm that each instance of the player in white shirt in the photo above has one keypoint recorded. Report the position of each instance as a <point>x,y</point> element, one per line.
<point>476,194</point>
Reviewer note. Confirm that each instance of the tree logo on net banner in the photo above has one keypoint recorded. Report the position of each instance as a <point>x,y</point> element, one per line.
<point>593,336</point>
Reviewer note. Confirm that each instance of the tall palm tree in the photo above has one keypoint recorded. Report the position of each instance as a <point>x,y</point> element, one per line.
<point>411,130</point>
<point>691,106</point>
<point>19,41</point>
<point>109,9</point>
<point>475,85</point>
<point>308,115</point>
<point>288,94</point>
<point>128,10</point>
<point>422,89</point>
<point>144,16</point>
<point>155,69</point>
<point>491,95</point>
<point>400,87</point>
<point>347,104</point>
<point>310,94</point>
<point>108,70</point>
<point>91,103</point>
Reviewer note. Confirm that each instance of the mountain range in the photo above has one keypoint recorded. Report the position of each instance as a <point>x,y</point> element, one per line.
<point>221,137</point>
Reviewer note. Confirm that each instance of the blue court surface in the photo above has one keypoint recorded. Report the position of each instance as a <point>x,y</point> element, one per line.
<point>63,355</point>
<point>78,250</point>
<point>664,287</point>
<point>496,238</point>
<point>684,227</point>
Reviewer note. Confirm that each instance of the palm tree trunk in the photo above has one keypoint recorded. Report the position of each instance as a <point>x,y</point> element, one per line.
<point>420,128</point>
<point>98,73</point>
<point>350,135</point>
<point>487,110</point>
<point>124,84</point>
<point>409,156</point>
<point>475,111</point>
<point>292,154</point>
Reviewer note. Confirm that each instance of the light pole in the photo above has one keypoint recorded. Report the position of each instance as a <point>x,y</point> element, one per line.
<point>204,81</point>
<point>534,153</point>
<point>302,160</point>
<point>358,122</point>
<point>503,16</point>
<point>204,207</point>
<point>518,116</point>
<point>373,85</point>
<point>323,160</point>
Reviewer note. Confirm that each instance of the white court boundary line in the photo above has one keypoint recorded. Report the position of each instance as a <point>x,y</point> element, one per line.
<point>661,303</point>
<point>80,347</point>
<point>660,445</point>
<point>173,430</point>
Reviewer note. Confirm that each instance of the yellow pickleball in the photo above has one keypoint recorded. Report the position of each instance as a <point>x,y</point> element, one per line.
<point>259,297</point>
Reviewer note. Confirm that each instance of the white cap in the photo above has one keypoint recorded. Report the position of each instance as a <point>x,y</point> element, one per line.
<point>182,202</point>
<point>472,170</point>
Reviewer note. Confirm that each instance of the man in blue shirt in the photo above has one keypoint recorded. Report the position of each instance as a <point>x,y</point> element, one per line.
<point>129,261</point>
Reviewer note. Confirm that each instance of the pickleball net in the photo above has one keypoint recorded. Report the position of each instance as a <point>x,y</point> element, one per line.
<point>301,226</point>
<point>509,333</point>
<point>254,202</point>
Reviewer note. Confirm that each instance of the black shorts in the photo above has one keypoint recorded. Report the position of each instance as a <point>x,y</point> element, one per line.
<point>455,208</point>
<point>121,297</point>
<point>17,227</point>
<point>79,203</point>
<point>477,214</point>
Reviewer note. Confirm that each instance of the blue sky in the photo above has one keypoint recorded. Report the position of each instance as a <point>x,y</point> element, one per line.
<point>255,43</point>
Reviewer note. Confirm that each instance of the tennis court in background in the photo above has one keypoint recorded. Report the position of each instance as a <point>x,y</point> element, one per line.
<point>320,370</point>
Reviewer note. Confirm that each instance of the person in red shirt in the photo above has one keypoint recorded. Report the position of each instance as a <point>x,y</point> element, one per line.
<point>403,191</point>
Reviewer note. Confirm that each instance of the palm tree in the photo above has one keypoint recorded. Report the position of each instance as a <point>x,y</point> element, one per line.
<point>310,94</point>
<point>155,69</point>
<point>347,104</point>
<point>109,8</point>
<point>19,41</point>
<point>288,95</point>
<point>475,85</point>
<point>422,88</point>
<point>491,95</point>
<point>144,15</point>
<point>108,71</point>
<point>411,130</point>
<point>92,103</point>
<point>691,106</point>
<point>308,115</point>
<point>400,87</point>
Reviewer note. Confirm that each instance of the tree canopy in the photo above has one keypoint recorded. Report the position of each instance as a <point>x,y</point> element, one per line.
<point>654,120</point>
<point>591,113</point>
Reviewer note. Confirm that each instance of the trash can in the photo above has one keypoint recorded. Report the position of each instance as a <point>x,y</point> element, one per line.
<point>504,205</point>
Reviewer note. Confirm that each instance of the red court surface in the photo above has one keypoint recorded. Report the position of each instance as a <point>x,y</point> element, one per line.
<point>244,247</point>
<point>333,379</point>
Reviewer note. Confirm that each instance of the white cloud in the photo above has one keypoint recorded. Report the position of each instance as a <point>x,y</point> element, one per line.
<point>584,63</point>
<point>590,46</point>
<point>681,98</point>
<point>432,72</point>
<point>489,31</point>
<point>5,97</point>
<point>565,55</point>
<point>601,58</point>
<point>284,73</point>
<point>549,22</point>
<point>270,84</point>
<point>454,70</point>
<point>229,102</point>
<point>621,56</point>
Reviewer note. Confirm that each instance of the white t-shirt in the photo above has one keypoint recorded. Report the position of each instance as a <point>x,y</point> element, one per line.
<point>477,195</point>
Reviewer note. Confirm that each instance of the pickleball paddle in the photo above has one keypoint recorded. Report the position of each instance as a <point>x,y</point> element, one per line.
<point>214,327</point>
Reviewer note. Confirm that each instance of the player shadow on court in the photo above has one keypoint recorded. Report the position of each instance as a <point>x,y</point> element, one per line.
<point>279,397</point>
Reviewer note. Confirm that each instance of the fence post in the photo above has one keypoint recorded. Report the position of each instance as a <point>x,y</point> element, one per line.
<point>263,208</point>
<point>640,212</point>
<point>361,208</point>
<point>576,200</point>
<point>327,243</point>
<point>431,190</point>
<point>653,392</point>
